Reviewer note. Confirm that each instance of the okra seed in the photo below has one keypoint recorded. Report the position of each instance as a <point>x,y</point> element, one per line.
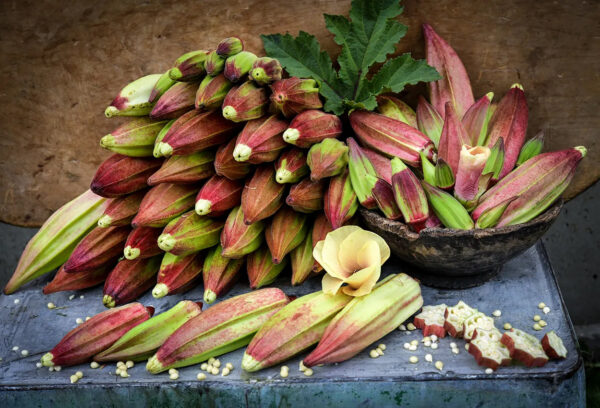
<point>174,376</point>
<point>16,302</point>
<point>429,358</point>
<point>215,371</point>
<point>203,366</point>
<point>57,368</point>
<point>118,371</point>
<point>413,359</point>
<point>467,346</point>
<point>173,371</point>
<point>434,338</point>
<point>74,379</point>
<point>51,305</point>
<point>453,345</point>
<point>94,364</point>
<point>412,348</point>
<point>542,323</point>
<point>426,339</point>
<point>411,327</point>
<point>38,365</point>
<point>284,373</point>
<point>402,327</point>
<point>507,326</point>
<point>382,346</point>
<point>541,305</point>
<point>229,365</point>
<point>379,351</point>
<point>406,345</point>
<point>439,365</point>
<point>308,372</point>
<point>455,350</point>
<point>201,376</point>
<point>537,318</point>
<point>50,369</point>
<point>301,366</point>
<point>15,348</point>
<point>81,297</point>
<point>414,343</point>
<point>24,353</point>
<point>373,354</point>
<point>217,364</point>
<point>122,364</point>
<point>434,346</point>
<point>537,327</point>
<point>87,318</point>
<point>427,344</point>
<point>225,372</point>
<point>489,371</point>
<point>79,320</point>
<point>211,360</point>
<point>71,297</point>
<point>79,374</point>
<point>546,310</point>
<point>129,364</point>
<point>497,313</point>
<point>124,374</point>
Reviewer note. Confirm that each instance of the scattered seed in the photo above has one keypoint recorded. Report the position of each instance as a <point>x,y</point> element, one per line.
<point>125,374</point>
<point>426,339</point>
<point>94,364</point>
<point>467,346</point>
<point>373,354</point>
<point>118,371</point>
<point>411,327</point>
<point>497,313</point>
<point>203,366</point>
<point>79,374</point>
<point>229,365</point>
<point>201,376</point>
<point>174,376</point>
<point>71,297</point>
<point>38,365</point>
<point>542,323</point>
<point>402,327</point>
<point>434,346</point>
<point>412,348</point>
<point>74,379</point>
<point>455,350</point>
<point>439,365</point>
<point>129,364</point>
<point>15,348</point>
<point>81,297</point>
<point>429,358</point>
<point>50,369</point>
<point>301,366</point>
<point>122,364</point>
<point>16,301</point>
<point>51,305</point>
<point>79,320</point>
<point>414,343</point>
<point>427,344</point>
<point>217,364</point>
<point>211,360</point>
<point>536,326</point>
<point>537,318</point>
<point>214,371</point>
<point>546,310</point>
<point>225,372</point>
<point>489,371</point>
<point>284,373</point>
<point>24,353</point>
<point>379,351</point>
<point>453,345</point>
<point>407,345</point>
<point>541,305</point>
<point>413,359</point>
<point>308,372</point>
<point>507,326</point>
<point>434,338</point>
<point>87,318</point>
<point>57,368</point>
<point>382,346</point>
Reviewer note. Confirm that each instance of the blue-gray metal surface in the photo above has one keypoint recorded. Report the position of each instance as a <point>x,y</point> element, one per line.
<point>386,381</point>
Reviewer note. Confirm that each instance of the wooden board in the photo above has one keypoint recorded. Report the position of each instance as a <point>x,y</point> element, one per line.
<point>62,62</point>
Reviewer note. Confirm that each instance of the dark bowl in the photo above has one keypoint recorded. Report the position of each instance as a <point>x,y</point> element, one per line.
<point>451,258</point>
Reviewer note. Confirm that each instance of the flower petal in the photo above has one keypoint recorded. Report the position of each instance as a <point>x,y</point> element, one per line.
<point>350,248</point>
<point>331,249</point>
<point>369,254</point>
<point>331,285</point>
<point>373,273</point>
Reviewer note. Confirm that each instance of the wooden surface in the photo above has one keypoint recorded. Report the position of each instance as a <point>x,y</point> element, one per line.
<point>62,62</point>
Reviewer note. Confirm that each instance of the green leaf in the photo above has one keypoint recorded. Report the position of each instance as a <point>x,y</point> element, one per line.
<point>302,57</point>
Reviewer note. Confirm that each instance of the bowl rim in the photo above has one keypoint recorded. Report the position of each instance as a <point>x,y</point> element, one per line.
<point>400,229</point>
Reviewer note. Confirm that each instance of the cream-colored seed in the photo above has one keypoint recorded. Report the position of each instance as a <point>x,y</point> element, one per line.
<point>16,301</point>
<point>382,346</point>
<point>507,326</point>
<point>217,364</point>
<point>496,313</point>
<point>79,374</point>
<point>301,366</point>
<point>15,348</point>
<point>536,318</point>
<point>71,297</point>
<point>51,305</point>
<point>284,373</point>
<point>74,379</point>
<point>215,371</point>
<point>174,376</point>
<point>439,365</point>
<point>87,318</point>
<point>489,371</point>
<point>229,365</point>
<point>38,365</point>
<point>541,305</point>
<point>542,323</point>
<point>414,343</point>
<point>429,358</point>
<point>225,372</point>
<point>94,364</point>
<point>203,366</point>
<point>413,359</point>
<point>379,351</point>
<point>406,345</point>
<point>122,364</point>
<point>434,346</point>
<point>129,364</point>
<point>455,350</point>
<point>425,339</point>
<point>211,360</point>
<point>546,310</point>
<point>453,345</point>
<point>411,327</point>
<point>373,354</point>
<point>81,297</point>
<point>24,353</point>
<point>57,368</point>
<point>79,320</point>
<point>173,371</point>
<point>467,346</point>
<point>201,376</point>
<point>427,344</point>
<point>402,327</point>
<point>124,374</point>
<point>537,327</point>
<point>308,372</point>
<point>50,369</point>
<point>118,371</point>
<point>434,338</point>
<point>412,347</point>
